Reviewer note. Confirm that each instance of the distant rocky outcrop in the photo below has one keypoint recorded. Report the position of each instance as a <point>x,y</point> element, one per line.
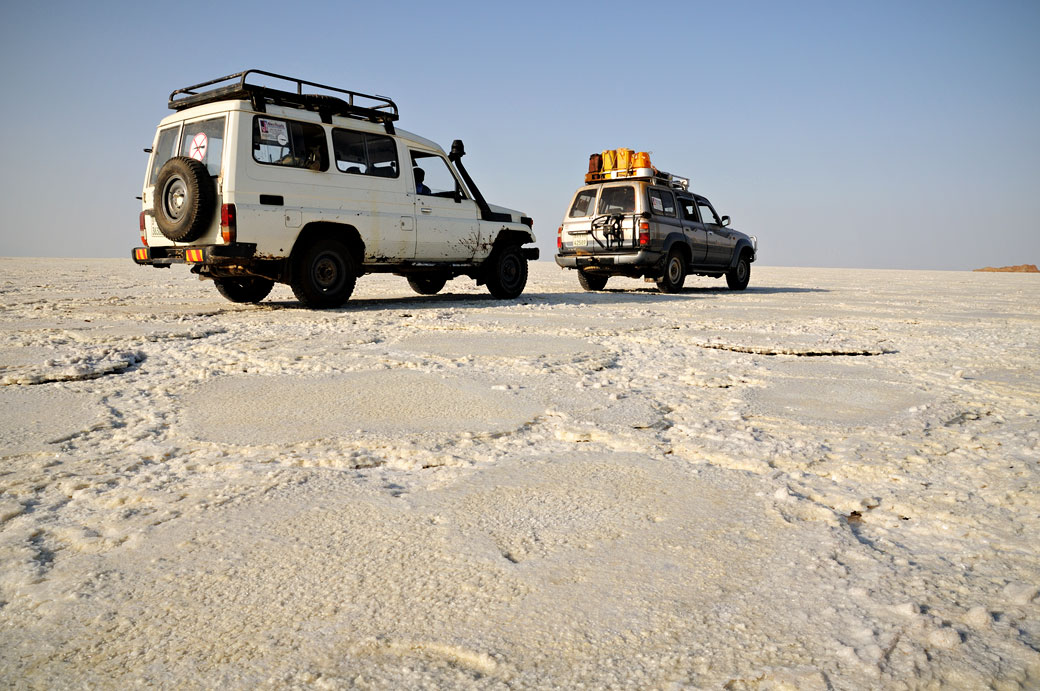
<point>1020,269</point>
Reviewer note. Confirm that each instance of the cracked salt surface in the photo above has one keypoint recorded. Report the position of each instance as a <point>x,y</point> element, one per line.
<point>570,489</point>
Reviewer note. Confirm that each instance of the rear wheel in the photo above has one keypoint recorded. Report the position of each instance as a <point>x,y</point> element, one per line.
<point>506,272</point>
<point>738,277</point>
<point>674,273</point>
<point>324,274</point>
<point>427,285</point>
<point>244,288</point>
<point>592,281</point>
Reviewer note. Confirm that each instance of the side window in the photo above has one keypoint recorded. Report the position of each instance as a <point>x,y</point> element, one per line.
<point>165,149</point>
<point>617,200</point>
<point>361,153</point>
<point>289,143</point>
<point>662,202</point>
<point>583,204</point>
<point>433,176</point>
<point>689,210</point>
<point>204,141</point>
<point>707,213</point>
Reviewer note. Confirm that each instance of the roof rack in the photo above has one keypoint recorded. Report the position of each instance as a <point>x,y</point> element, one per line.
<point>653,174</point>
<point>350,104</point>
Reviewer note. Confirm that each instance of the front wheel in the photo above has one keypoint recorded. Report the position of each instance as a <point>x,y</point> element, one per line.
<point>506,272</point>
<point>324,274</point>
<point>427,285</point>
<point>592,281</point>
<point>244,288</point>
<point>674,273</point>
<point>738,277</point>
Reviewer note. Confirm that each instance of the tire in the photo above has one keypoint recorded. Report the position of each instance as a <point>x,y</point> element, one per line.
<point>674,273</point>
<point>592,281</point>
<point>506,272</point>
<point>427,285</point>
<point>738,277</point>
<point>184,199</point>
<point>244,288</point>
<point>324,274</point>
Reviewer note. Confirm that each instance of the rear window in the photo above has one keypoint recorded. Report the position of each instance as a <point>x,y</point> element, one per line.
<point>204,141</point>
<point>617,200</point>
<point>165,149</point>
<point>289,143</point>
<point>583,204</point>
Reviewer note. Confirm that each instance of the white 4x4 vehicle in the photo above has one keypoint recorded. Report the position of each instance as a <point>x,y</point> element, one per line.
<point>252,185</point>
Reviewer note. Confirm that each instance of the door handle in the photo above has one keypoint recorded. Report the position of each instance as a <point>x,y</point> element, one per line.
<point>426,209</point>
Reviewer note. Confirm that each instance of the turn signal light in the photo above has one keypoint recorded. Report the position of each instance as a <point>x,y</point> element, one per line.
<point>559,237</point>
<point>144,233</point>
<point>228,225</point>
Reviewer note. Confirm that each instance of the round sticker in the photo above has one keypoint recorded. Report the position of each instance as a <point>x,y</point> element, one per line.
<point>282,139</point>
<point>198,147</point>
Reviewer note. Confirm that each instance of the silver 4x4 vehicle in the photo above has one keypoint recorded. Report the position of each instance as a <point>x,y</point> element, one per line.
<point>252,185</point>
<point>645,223</point>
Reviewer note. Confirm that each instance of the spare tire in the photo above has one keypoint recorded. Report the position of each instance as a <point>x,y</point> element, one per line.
<point>184,199</point>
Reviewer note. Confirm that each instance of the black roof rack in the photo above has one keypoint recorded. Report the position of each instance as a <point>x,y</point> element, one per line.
<point>350,104</point>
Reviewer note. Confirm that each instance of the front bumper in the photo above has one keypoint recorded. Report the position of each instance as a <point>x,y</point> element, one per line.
<point>205,255</point>
<point>643,258</point>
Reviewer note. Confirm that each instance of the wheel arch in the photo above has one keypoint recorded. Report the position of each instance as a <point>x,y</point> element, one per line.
<point>743,248</point>
<point>510,236</point>
<point>677,241</point>
<point>346,234</point>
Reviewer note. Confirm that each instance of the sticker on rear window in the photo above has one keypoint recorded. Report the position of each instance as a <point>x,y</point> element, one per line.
<point>656,203</point>
<point>197,150</point>
<point>274,131</point>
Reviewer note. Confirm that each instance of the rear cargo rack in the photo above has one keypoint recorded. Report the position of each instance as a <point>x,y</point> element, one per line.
<point>349,104</point>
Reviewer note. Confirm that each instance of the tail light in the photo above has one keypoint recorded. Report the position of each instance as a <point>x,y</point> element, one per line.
<point>144,232</point>
<point>559,237</point>
<point>644,233</point>
<point>228,226</point>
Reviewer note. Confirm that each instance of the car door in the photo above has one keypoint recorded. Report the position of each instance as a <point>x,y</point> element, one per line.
<point>374,194</point>
<point>696,235</point>
<point>447,221</point>
<point>721,242</point>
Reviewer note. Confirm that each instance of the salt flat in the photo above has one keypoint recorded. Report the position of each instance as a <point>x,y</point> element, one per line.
<point>826,481</point>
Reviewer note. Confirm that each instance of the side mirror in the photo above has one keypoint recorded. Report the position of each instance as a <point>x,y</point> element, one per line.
<point>725,220</point>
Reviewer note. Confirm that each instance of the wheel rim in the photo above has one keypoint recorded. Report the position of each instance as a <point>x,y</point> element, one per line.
<point>174,195</point>
<point>328,272</point>
<point>742,270</point>
<point>510,270</point>
<point>674,270</point>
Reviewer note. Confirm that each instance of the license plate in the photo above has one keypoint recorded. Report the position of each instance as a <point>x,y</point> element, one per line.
<point>580,240</point>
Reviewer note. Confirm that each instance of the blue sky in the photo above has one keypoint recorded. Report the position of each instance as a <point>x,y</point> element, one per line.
<point>874,135</point>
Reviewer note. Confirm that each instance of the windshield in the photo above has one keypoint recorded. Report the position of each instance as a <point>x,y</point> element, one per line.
<point>617,200</point>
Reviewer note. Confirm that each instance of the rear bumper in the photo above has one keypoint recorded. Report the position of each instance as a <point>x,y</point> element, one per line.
<point>199,254</point>
<point>627,260</point>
